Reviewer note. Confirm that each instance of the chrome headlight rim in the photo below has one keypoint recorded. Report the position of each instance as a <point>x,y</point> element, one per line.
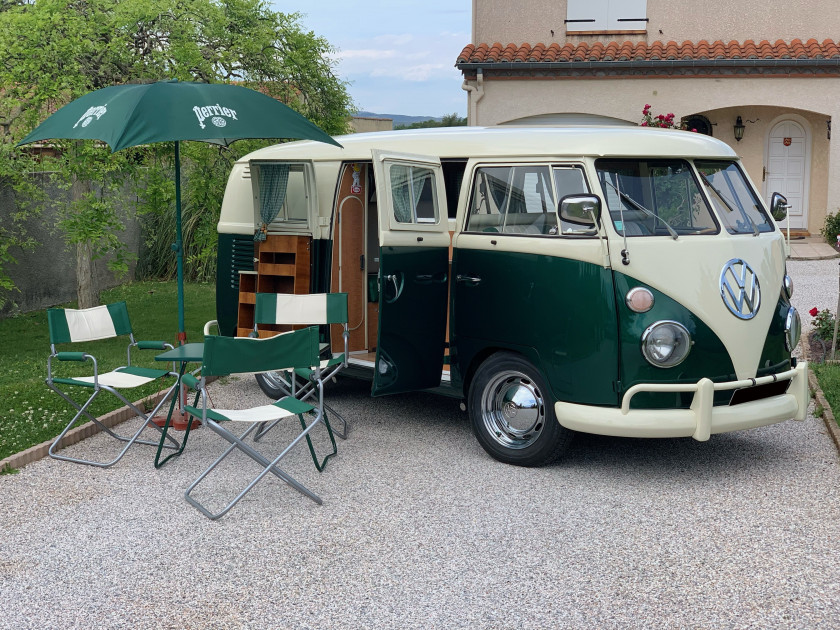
<point>787,286</point>
<point>686,349</point>
<point>793,329</point>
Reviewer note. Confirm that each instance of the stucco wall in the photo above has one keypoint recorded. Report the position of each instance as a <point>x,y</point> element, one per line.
<point>532,22</point>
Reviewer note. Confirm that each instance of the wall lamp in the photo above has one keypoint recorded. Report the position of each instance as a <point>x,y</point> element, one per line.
<point>739,129</point>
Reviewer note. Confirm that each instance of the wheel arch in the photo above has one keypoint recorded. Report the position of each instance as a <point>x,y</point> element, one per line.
<point>484,353</point>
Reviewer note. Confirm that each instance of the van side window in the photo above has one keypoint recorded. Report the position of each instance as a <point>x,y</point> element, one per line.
<point>412,193</point>
<point>570,180</point>
<point>284,195</point>
<point>513,200</point>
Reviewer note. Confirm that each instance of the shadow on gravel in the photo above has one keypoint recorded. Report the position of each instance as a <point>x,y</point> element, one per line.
<point>723,455</point>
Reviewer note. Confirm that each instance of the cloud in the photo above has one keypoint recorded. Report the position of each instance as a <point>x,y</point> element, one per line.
<point>365,53</point>
<point>420,72</point>
<point>402,57</point>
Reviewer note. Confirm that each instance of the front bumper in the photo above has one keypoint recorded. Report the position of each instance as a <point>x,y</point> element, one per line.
<point>699,421</point>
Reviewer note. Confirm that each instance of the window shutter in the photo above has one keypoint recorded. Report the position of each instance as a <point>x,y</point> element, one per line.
<point>606,15</point>
<point>627,15</point>
<point>586,15</point>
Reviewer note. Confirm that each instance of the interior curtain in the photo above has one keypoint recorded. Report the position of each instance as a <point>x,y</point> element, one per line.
<point>421,175</point>
<point>273,181</point>
<point>401,193</point>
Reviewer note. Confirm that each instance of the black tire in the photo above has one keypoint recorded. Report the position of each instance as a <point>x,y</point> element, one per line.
<point>275,385</point>
<point>512,413</point>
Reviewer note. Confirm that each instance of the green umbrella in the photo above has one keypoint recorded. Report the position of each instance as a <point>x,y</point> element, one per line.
<point>129,115</point>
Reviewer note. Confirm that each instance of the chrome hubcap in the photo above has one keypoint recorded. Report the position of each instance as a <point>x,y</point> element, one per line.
<point>277,380</point>
<point>513,409</point>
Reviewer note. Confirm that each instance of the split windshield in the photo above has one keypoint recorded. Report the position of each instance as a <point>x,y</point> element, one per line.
<point>654,198</point>
<point>735,202</point>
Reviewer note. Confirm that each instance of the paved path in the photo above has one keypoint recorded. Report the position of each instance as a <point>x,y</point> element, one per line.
<point>420,529</point>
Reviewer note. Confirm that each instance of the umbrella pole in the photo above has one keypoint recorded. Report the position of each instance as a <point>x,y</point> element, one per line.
<point>179,246</point>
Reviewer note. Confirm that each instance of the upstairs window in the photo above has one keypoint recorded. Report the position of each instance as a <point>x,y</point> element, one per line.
<point>585,16</point>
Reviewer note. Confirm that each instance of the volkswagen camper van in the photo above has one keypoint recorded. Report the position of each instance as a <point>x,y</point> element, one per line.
<point>609,280</point>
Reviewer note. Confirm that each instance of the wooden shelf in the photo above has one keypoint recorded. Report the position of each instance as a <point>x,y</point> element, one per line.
<point>283,266</point>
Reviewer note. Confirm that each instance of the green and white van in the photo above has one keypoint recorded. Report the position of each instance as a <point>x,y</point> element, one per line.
<point>609,280</point>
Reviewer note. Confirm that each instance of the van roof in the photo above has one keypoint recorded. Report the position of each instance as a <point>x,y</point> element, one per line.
<point>466,142</point>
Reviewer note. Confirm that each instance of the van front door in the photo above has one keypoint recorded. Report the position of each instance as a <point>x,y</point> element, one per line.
<point>413,267</point>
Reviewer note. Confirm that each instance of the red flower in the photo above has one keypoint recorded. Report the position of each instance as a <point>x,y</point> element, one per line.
<point>813,312</point>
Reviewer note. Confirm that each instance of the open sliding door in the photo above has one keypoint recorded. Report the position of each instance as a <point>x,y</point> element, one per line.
<point>413,266</point>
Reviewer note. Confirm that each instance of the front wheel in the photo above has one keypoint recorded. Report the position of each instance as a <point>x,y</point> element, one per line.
<point>512,413</point>
<point>275,385</point>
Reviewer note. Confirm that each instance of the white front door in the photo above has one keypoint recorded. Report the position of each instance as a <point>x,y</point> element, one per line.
<point>787,170</point>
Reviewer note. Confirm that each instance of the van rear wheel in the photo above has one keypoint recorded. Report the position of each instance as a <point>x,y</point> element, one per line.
<point>512,413</point>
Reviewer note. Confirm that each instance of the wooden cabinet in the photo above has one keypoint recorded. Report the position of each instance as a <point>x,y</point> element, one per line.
<point>282,266</point>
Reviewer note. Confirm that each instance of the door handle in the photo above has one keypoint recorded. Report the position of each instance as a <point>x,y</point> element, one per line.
<point>429,278</point>
<point>396,282</point>
<point>473,280</point>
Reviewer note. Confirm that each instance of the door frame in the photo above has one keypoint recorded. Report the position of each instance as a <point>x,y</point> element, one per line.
<point>413,298</point>
<point>806,183</point>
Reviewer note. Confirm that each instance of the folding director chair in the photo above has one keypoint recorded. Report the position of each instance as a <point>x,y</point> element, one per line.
<point>85,325</point>
<point>235,355</point>
<point>307,309</point>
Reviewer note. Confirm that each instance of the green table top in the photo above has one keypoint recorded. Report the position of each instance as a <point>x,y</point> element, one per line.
<point>189,352</point>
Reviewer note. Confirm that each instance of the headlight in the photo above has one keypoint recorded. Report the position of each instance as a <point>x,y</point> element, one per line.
<point>793,329</point>
<point>787,285</point>
<point>666,344</point>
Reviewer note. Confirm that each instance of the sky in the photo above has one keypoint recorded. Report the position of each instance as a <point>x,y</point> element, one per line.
<point>398,55</point>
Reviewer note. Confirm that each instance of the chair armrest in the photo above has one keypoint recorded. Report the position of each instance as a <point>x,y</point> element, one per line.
<point>72,356</point>
<point>208,325</point>
<point>191,381</point>
<point>154,345</point>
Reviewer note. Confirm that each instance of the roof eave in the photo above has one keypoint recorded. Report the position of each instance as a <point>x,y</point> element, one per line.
<point>652,64</point>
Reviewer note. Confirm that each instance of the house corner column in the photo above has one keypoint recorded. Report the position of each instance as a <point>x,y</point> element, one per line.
<point>833,170</point>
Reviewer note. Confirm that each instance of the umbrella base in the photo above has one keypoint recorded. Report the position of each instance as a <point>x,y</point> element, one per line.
<point>179,422</point>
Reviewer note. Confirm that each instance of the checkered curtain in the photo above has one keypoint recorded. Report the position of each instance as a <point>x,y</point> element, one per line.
<point>273,181</point>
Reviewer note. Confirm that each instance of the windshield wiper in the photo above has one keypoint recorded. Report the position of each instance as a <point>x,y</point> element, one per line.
<point>635,203</point>
<point>726,203</point>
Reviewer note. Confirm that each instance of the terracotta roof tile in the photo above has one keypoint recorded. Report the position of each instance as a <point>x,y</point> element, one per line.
<point>830,49</point>
<point>642,51</point>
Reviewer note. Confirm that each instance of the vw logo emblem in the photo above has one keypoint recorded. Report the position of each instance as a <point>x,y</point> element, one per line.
<point>739,289</point>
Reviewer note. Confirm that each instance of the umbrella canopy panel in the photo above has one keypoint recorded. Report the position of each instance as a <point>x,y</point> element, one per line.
<point>129,115</point>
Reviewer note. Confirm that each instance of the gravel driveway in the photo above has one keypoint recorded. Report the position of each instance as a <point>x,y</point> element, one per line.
<point>421,529</point>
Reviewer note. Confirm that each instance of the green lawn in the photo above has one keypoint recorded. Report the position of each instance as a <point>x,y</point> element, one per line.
<point>828,376</point>
<point>31,413</point>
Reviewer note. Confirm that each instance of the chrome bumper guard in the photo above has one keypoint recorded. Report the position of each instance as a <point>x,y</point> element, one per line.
<point>701,419</point>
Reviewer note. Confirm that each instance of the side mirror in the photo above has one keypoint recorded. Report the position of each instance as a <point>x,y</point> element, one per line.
<point>779,206</point>
<point>583,210</point>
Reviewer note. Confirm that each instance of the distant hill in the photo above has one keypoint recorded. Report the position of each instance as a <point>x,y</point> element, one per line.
<point>397,118</point>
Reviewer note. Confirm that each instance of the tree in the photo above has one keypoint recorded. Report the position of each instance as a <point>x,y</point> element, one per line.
<point>52,51</point>
<point>450,120</point>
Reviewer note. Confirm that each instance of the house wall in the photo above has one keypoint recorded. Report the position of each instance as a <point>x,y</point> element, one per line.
<point>533,22</point>
<point>361,124</point>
